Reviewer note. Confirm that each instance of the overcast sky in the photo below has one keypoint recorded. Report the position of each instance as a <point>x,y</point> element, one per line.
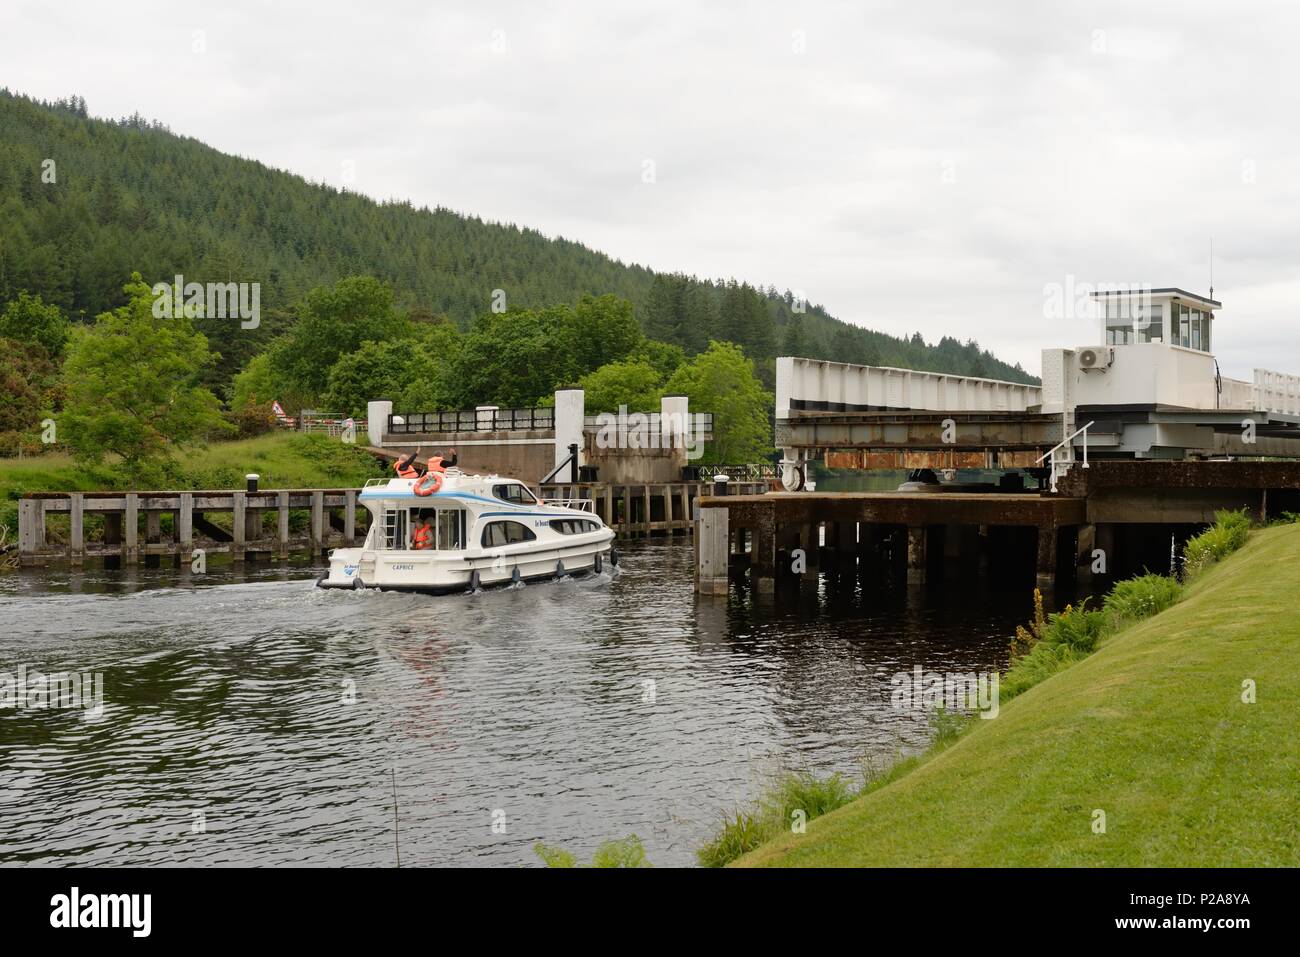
<point>910,166</point>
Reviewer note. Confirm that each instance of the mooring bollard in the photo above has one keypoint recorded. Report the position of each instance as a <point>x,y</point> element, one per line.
<point>720,484</point>
<point>252,479</point>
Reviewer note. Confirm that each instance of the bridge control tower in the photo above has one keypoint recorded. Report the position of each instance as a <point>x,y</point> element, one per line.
<point>1148,388</point>
<point>1152,389</point>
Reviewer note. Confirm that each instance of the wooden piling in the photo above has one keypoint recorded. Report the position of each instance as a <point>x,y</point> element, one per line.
<point>77,529</point>
<point>712,552</point>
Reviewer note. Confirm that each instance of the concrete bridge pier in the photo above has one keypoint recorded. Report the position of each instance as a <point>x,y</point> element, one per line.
<point>918,540</point>
<point>1045,567</point>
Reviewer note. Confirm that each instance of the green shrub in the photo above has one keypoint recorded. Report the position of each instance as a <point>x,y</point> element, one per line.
<point>738,836</point>
<point>1228,533</point>
<point>627,852</point>
<point>1141,597</point>
<point>1043,661</point>
<point>1078,629</point>
<point>554,856</point>
<point>946,726</point>
<point>1058,641</point>
<point>808,793</point>
<point>774,813</point>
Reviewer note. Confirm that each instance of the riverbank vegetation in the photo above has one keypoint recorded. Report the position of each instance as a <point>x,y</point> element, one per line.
<point>622,852</point>
<point>1126,737</point>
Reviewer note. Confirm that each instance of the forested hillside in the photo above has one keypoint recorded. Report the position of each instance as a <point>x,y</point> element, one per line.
<point>130,196</point>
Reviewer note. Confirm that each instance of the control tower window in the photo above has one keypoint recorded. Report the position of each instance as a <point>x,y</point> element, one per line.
<point>1149,319</point>
<point>1119,323</point>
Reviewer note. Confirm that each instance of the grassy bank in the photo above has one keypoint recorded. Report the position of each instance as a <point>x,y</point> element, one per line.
<point>283,460</point>
<point>1151,729</point>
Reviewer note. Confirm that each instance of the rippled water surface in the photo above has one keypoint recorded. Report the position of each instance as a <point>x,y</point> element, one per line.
<point>250,718</point>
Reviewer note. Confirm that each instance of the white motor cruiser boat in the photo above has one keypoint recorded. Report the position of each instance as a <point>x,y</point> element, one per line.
<point>474,530</point>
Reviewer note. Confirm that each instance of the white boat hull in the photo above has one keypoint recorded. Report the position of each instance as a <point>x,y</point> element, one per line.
<point>440,573</point>
<point>473,531</point>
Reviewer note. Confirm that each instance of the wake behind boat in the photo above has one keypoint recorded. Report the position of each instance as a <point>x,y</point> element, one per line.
<point>472,530</point>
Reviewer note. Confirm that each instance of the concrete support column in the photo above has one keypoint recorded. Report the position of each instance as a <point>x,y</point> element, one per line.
<point>77,528</point>
<point>846,541</point>
<point>868,544</point>
<point>152,536</point>
<point>239,527</point>
<point>1084,545</point>
<point>1046,564</point>
<point>810,541</point>
<point>113,536</point>
<point>916,558</point>
<point>674,425</point>
<point>31,526</point>
<point>1104,540</point>
<point>377,414</point>
<point>131,529</point>
<point>763,558</point>
<point>185,526</point>
<point>788,538</point>
<point>570,408</point>
<point>350,517</point>
<point>317,520</point>
<point>282,523</point>
<point>712,552</point>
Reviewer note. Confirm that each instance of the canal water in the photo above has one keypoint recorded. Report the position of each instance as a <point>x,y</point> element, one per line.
<point>250,718</point>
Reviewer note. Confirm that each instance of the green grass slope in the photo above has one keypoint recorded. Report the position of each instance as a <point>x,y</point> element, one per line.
<point>1151,729</point>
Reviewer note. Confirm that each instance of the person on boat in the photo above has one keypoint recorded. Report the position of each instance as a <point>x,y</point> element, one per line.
<point>442,464</point>
<point>405,468</point>
<point>422,538</point>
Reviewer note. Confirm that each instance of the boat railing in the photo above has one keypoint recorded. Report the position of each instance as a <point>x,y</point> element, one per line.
<point>580,504</point>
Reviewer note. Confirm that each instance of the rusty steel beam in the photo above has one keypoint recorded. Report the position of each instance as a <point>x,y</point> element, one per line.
<point>900,459</point>
<point>920,431</point>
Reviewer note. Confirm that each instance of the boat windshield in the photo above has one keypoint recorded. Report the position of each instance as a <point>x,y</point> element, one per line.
<point>516,493</point>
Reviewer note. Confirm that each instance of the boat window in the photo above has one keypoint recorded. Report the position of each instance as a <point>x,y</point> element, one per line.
<point>451,528</point>
<point>395,529</point>
<point>496,534</point>
<point>514,493</point>
<point>573,526</point>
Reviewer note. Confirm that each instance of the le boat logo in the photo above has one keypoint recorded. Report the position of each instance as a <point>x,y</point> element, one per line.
<point>214,300</point>
<point>103,910</point>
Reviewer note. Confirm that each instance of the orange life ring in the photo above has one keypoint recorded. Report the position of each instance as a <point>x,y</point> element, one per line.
<point>433,477</point>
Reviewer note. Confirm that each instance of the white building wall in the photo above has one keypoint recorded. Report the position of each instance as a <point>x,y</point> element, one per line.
<point>570,408</point>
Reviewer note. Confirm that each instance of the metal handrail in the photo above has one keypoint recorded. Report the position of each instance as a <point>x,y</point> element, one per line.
<point>578,504</point>
<point>1065,441</point>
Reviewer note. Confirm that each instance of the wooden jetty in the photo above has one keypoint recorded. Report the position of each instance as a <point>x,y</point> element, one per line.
<point>237,523</point>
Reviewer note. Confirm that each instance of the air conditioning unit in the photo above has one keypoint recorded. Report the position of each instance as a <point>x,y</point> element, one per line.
<point>1095,357</point>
